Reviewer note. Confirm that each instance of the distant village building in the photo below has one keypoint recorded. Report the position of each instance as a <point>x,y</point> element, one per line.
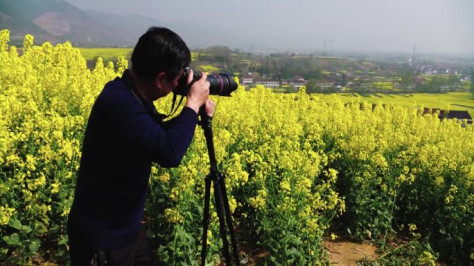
<point>298,82</point>
<point>268,83</point>
<point>247,80</point>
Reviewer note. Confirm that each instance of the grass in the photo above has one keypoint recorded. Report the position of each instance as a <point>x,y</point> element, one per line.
<point>455,100</point>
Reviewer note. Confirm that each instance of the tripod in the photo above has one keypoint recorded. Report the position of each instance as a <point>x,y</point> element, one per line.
<point>221,200</point>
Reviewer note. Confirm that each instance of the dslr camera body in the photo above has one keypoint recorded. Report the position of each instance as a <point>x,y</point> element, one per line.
<point>220,84</point>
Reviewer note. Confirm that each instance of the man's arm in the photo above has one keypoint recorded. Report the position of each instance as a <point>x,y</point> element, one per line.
<point>139,133</point>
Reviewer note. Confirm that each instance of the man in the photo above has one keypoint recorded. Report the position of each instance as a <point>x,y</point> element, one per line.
<point>124,136</point>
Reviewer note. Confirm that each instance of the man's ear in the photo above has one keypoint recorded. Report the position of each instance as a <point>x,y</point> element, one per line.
<point>160,79</point>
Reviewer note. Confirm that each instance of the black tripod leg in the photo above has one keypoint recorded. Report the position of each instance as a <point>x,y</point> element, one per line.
<point>233,241</point>
<point>221,200</point>
<point>205,222</point>
<point>221,215</point>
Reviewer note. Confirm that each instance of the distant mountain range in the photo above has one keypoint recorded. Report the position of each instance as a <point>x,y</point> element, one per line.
<point>58,21</point>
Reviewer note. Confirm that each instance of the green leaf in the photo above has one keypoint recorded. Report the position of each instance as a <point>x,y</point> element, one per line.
<point>292,251</point>
<point>26,229</point>
<point>34,245</point>
<point>14,223</point>
<point>63,240</point>
<point>13,240</point>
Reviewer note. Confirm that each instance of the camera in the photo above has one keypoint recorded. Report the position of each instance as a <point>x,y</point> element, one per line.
<point>220,84</point>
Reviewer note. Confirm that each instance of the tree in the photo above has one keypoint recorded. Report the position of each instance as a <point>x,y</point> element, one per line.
<point>406,75</point>
<point>311,86</point>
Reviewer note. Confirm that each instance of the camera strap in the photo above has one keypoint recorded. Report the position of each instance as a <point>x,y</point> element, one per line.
<point>130,84</point>
<point>173,109</point>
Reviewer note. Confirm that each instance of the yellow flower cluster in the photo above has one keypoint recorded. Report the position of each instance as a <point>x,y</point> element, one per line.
<point>6,213</point>
<point>173,216</point>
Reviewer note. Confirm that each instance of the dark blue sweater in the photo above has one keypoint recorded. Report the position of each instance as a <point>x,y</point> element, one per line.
<point>122,139</point>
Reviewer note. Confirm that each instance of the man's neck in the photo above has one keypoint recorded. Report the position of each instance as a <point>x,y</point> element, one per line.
<point>142,87</point>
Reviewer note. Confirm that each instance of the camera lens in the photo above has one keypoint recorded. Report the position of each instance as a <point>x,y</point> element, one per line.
<point>221,84</point>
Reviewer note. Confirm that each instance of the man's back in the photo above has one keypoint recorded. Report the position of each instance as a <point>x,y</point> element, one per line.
<point>121,141</point>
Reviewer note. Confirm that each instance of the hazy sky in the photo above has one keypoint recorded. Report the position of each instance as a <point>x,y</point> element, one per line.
<point>360,25</point>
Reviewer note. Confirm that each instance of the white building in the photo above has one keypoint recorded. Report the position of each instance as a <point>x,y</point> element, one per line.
<point>247,80</point>
<point>269,83</point>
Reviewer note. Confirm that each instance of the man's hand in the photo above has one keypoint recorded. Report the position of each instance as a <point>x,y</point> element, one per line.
<point>210,107</point>
<point>198,93</point>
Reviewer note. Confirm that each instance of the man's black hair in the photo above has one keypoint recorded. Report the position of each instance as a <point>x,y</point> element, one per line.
<point>160,50</point>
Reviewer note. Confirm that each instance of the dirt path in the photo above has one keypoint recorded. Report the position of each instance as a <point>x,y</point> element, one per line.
<point>348,253</point>
<point>341,252</point>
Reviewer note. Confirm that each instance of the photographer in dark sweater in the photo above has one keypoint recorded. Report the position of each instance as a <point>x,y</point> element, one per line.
<point>124,136</point>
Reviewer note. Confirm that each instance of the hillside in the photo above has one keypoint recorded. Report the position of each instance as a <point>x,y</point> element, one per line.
<point>58,21</point>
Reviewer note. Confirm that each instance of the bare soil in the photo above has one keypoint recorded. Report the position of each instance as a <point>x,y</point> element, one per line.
<point>342,252</point>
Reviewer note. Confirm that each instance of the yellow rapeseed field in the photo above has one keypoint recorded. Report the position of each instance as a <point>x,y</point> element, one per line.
<point>294,164</point>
